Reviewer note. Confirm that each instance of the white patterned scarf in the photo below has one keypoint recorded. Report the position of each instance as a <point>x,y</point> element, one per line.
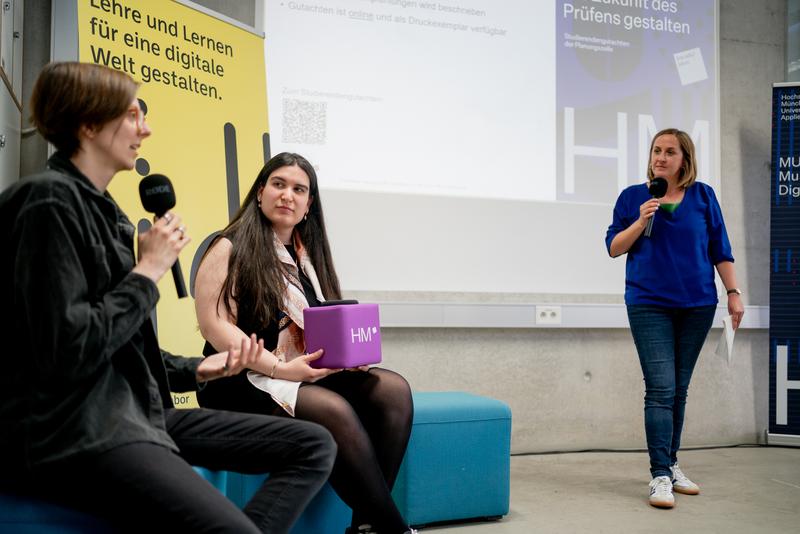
<point>291,341</point>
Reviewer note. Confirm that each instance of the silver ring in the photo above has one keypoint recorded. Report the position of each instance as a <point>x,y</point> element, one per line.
<point>182,230</point>
<point>167,217</point>
<point>225,367</point>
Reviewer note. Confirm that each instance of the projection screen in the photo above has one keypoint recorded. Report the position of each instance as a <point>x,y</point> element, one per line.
<point>479,146</point>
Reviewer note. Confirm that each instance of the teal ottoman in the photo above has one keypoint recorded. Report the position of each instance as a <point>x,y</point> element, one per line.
<point>23,514</point>
<point>456,467</point>
<point>458,459</point>
<point>325,514</point>
<point>218,479</point>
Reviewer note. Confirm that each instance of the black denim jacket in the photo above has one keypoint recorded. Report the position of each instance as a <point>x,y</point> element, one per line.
<point>81,369</point>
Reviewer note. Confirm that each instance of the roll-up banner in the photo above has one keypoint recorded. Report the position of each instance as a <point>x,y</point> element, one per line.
<point>784,287</point>
<point>203,85</point>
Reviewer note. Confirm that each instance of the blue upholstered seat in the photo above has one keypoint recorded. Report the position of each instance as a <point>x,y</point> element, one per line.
<point>456,467</point>
<point>458,460</point>
<point>27,515</point>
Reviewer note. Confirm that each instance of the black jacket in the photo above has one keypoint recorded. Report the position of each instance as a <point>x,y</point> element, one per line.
<point>81,369</point>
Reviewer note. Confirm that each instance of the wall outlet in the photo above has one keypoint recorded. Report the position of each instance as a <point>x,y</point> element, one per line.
<point>548,314</point>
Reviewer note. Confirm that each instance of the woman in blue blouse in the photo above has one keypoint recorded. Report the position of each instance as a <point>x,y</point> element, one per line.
<point>670,293</point>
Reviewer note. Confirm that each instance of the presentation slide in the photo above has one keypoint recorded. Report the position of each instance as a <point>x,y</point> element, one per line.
<point>417,97</point>
<point>479,146</point>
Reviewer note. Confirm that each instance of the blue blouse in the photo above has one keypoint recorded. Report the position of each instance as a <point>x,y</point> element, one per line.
<point>674,267</point>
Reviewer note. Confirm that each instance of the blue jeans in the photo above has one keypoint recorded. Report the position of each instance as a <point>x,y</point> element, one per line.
<point>668,341</point>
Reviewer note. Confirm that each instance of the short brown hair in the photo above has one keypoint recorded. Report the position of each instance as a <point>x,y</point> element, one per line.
<point>68,95</point>
<point>689,167</point>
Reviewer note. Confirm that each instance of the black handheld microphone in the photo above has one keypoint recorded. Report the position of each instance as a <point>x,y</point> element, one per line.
<point>158,197</point>
<point>657,189</point>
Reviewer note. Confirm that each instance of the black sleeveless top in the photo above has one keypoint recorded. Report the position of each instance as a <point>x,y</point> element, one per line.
<point>270,332</point>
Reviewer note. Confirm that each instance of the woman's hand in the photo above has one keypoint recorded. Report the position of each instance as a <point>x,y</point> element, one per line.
<point>625,239</point>
<point>160,245</point>
<point>646,211</point>
<point>735,309</point>
<point>231,362</point>
<point>300,370</point>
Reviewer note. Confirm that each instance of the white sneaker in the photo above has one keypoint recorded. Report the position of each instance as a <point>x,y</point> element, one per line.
<point>661,492</point>
<point>681,482</point>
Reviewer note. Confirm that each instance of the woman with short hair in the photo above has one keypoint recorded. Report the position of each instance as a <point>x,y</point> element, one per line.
<point>85,404</point>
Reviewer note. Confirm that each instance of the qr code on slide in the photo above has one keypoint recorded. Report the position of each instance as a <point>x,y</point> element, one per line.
<point>304,121</point>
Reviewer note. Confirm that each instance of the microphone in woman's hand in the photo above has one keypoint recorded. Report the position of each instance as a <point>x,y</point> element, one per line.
<point>157,194</point>
<point>657,189</point>
<point>158,197</point>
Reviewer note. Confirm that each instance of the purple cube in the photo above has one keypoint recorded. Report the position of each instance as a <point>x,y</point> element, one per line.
<point>350,335</point>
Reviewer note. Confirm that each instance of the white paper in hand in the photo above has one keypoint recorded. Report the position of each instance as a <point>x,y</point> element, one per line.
<point>725,345</point>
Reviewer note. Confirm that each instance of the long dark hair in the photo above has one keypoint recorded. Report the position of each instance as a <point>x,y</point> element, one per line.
<point>255,274</point>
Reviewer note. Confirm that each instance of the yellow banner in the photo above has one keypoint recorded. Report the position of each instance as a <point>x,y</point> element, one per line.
<point>204,87</point>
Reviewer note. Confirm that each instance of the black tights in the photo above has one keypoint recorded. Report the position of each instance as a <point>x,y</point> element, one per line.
<point>369,415</point>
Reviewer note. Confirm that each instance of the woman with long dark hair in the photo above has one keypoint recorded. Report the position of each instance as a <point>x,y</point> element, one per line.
<point>272,261</point>
<point>670,293</point>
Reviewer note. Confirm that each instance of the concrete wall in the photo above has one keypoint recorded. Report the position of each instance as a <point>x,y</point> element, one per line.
<point>35,55</point>
<point>572,389</point>
<point>242,10</point>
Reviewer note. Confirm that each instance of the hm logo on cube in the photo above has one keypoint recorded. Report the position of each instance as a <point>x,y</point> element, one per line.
<point>362,335</point>
<point>349,334</point>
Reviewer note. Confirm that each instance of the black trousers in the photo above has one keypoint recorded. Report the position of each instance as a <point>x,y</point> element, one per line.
<point>147,486</point>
